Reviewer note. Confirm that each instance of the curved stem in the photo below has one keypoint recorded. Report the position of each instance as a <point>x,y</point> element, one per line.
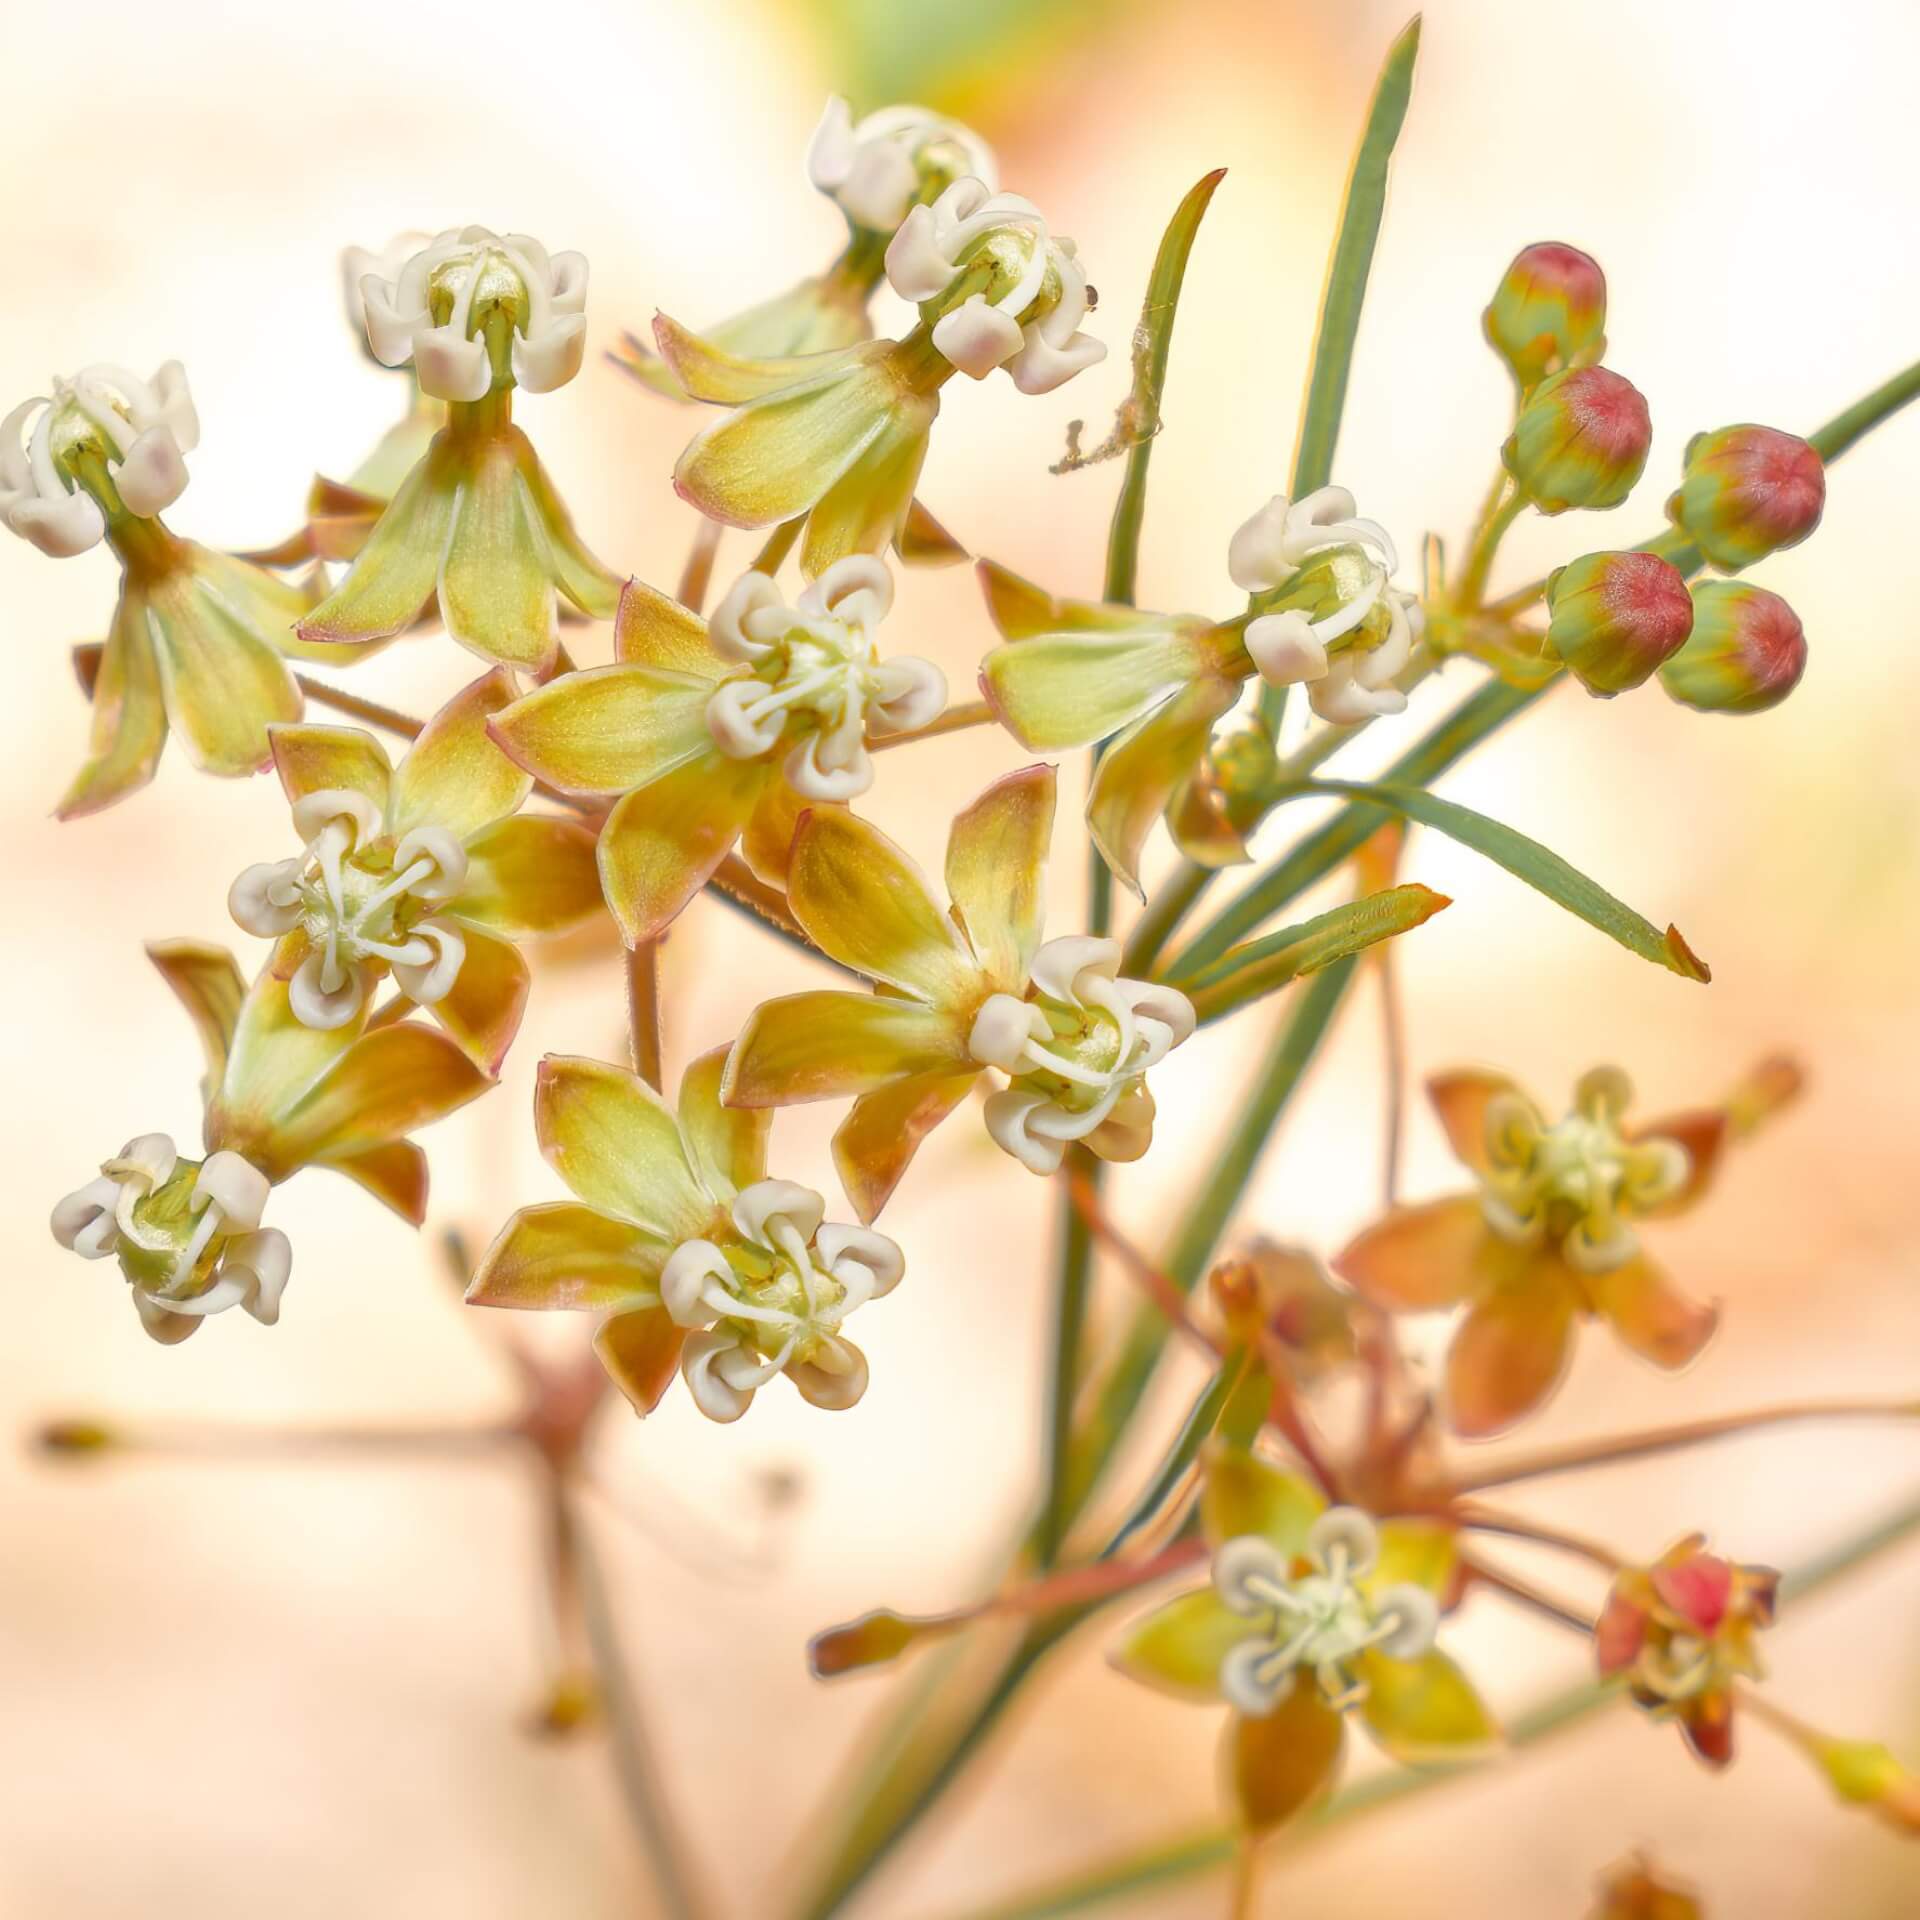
<point>1527,1595</point>
<point>1513,1527</point>
<point>351,704</point>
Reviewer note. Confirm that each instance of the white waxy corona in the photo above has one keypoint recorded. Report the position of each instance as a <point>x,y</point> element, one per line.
<point>875,169</point>
<point>362,908</point>
<point>1031,325</point>
<point>816,683</point>
<point>1358,558</point>
<point>435,311</point>
<point>187,1235</point>
<point>1077,1054</point>
<point>774,1301</point>
<point>142,429</point>
<point>1316,1622</point>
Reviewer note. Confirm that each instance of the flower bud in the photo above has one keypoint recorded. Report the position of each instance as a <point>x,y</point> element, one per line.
<point>1746,653</point>
<point>1549,312</point>
<point>1748,492</point>
<point>1617,617</point>
<point>1580,441</point>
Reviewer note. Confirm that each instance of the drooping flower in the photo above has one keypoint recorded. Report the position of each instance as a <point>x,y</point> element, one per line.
<point>1746,652</point>
<point>713,732</point>
<point>476,527</point>
<point>1581,440</point>
<point>1548,313</point>
<point>1616,618</point>
<point>278,1096</point>
<point>1323,613</point>
<point>957,994</point>
<point>1682,1632</point>
<point>699,1261</point>
<point>875,172</point>
<point>426,872</point>
<point>1749,491</point>
<point>197,638</point>
<point>1312,1612</point>
<point>841,437</point>
<point>1551,1236</point>
<point>1635,1891</point>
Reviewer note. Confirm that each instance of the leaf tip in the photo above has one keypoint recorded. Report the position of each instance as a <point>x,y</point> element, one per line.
<point>1682,958</point>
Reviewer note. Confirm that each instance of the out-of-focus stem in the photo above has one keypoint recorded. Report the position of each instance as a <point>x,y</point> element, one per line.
<point>697,574</point>
<point>1513,1527</point>
<point>778,545</point>
<point>1525,1594</point>
<point>220,1442</point>
<point>970,713</point>
<point>1152,1280</point>
<point>351,704</point>
<point>643,1011</point>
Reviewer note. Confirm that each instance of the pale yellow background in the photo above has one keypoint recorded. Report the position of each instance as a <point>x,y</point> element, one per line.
<point>236,1689</point>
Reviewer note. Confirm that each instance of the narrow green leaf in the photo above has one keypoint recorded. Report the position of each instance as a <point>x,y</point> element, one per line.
<point>1540,867</point>
<point>1260,967</point>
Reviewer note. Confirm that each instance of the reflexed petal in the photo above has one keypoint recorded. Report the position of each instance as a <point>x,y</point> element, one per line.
<point>496,596</point>
<point>1138,773</point>
<point>578,573</point>
<point>997,872</point>
<point>650,630</point>
<point>1070,689</point>
<point>767,844</point>
<point>609,729</point>
<point>1707,1723</point>
<point>866,508</point>
<point>1620,1632</point>
<point>1658,1322</point>
<point>727,1145</point>
<point>1425,1711</point>
<point>222,683</point>
<point>1178,1648</point>
<point>1021,610</point>
<point>1420,1553</point>
<point>1420,1258</point>
<point>661,843</point>
<point>395,1174</point>
<point>566,1255</point>
<point>1243,1494</point>
<point>875,1143</point>
<point>1461,1099</point>
<point>389,1082</point>
<point>272,1060</point>
<point>1703,1133</point>
<point>532,874</point>
<point>1278,1765</point>
<point>613,1140</point>
<point>1511,1352</point>
<point>398,568</point>
<point>708,371</point>
<point>207,983</point>
<point>483,1008</point>
<point>825,1045</point>
<point>868,906</point>
<point>331,759</point>
<point>641,1353</point>
<point>129,724</point>
<point>924,542</point>
<point>454,776</point>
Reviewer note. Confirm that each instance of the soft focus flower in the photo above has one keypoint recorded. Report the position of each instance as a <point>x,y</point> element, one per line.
<point>1581,440</point>
<point>1552,1235</point>
<point>1634,1891</point>
<point>278,1096</point>
<point>1281,1299</point>
<point>1549,312</point>
<point>197,638</point>
<point>1312,1612</point>
<point>1746,653</point>
<point>379,476</point>
<point>417,871</point>
<point>1682,1632</point>
<point>1074,672</point>
<point>958,994</point>
<point>841,437</point>
<point>1616,618</point>
<point>476,526</point>
<point>698,1259</point>
<point>715,731</point>
<point>1748,492</point>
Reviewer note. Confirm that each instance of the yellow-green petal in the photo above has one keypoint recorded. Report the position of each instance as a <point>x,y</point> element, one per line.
<point>128,728</point>
<point>726,1145</point>
<point>651,630</point>
<point>206,981</point>
<point>529,875</point>
<point>223,684</point>
<point>662,842</point>
<point>318,759</point>
<point>865,510</point>
<point>496,593</point>
<point>707,370</point>
<point>826,1045</point>
<point>397,569</point>
<point>615,1142</point>
<point>1069,689</point>
<point>997,872</point>
<point>455,776</point>
<point>874,1145</point>
<point>609,729</point>
<point>1178,1648</point>
<point>1420,1553</point>
<point>1425,1712</point>
<point>579,573</point>
<point>272,1060</point>
<point>570,1256</point>
<point>484,1006</point>
<point>1242,1494</point>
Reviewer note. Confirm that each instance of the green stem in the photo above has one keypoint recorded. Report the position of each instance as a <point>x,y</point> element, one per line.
<point>1075,1273</point>
<point>1466,596</point>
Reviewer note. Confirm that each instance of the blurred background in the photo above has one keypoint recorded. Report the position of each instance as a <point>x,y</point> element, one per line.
<point>229,1681</point>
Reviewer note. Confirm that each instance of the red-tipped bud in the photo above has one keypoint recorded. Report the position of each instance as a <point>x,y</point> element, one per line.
<point>1617,617</point>
<point>1746,653</point>
<point>1549,312</point>
<point>1748,492</point>
<point>1580,441</point>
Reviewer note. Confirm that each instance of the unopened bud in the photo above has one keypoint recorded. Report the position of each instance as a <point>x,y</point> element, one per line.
<point>1748,492</point>
<point>1580,441</point>
<point>1549,312</point>
<point>1746,653</point>
<point>1617,617</point>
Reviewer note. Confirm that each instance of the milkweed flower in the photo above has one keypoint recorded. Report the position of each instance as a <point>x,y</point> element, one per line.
<point>714,731</point>
<point>699,1261</point>
<point>1634,1891</point>
<point>380,475</point>
<point>874,171</point>
<point>197,638</point>
<point>1312,1612</point>
<point>476,527</point>
<point>1681,1632</point>
<point>958,993</point>
<point>1749,491</point>
<point>1551,1236</point>
<point>426,872</point>
<point>841,437</point>
<point>278,1096</point>
<point>1746,652</point>
<point>1548,313</point>
<point>1323,613</point>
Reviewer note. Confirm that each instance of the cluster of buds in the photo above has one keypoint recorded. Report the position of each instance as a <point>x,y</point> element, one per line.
<point>1549,312</point>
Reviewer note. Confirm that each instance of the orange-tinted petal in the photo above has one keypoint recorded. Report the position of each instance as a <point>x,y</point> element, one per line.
<point>1703,1134</point>
<point>223,684</point>
<point>272,1060</point>
<point>651,630</point>
<point>997,873</point>
<point>1425,1711</point>
<point>1420,1553</point>
<point>1178,1647</point>
<point>530,874</point>
<point>609,729</point>
<point>454,776</point>
<point>386,1084</point>
<point>1656,1320</point>
<point>825,1045</point>
<point>395,1173</point>
<point>488,997</point>
<point>1278,1765</point>
<point>1420,1258</point>
<point>207,983</point>
<point>767,843</point>
<point>1461,1099</point>
<point>662,842</point>
<point>1021,610</point>
<point>1511,1351</point>
<point>924,542</point>
<point>1707,1722</point>
<point>129,724</point>
<point>726,1145</point>
<point>566,1255</point>
<point>709,371</point>
<point>876,1142</point>
<point>613,1140</point>
<point>1139,771</point>
<point>316,759</point>
<point>641,1352</point>
<point>1242,1494</point>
